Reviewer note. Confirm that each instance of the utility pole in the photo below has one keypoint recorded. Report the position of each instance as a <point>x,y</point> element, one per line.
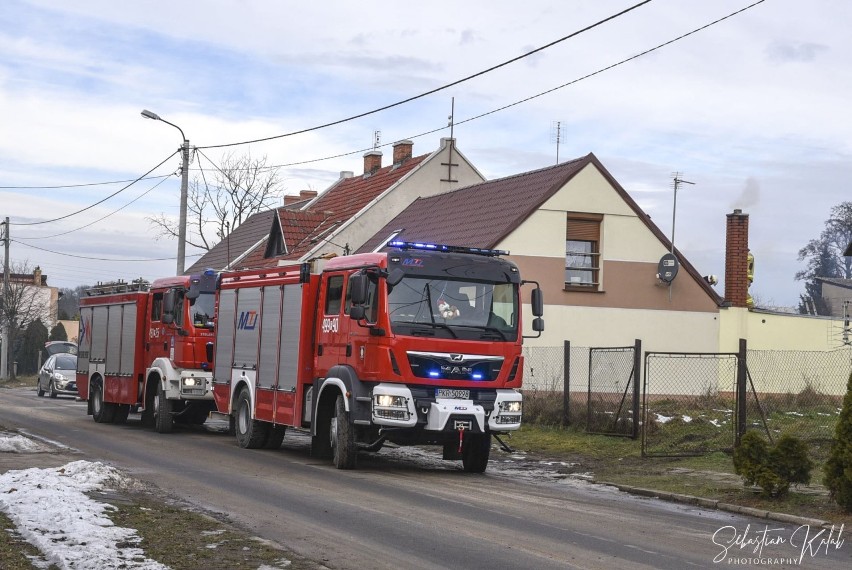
<point>4,323</point>
<point>184,185</point>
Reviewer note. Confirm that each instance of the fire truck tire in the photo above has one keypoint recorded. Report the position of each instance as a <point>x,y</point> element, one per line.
<point>52,390</point>
<point>163,421</point>
<point>477,447</point>
<point>102,412</point>
<point>251,434</point>
<point>344,450</point>
<point>275,437</point>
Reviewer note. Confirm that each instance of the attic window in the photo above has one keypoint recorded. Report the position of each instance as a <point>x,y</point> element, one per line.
<point>582,252</point>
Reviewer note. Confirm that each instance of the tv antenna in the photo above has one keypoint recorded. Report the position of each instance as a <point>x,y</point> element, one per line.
<point>377,139</point>
<point>556,136</point>
<point>676,181</point>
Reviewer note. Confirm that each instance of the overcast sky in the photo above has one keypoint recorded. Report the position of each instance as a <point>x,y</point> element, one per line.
<point>753,110</point>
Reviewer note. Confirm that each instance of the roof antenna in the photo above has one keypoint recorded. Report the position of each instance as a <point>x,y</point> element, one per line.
<point>556,136</point>
<point>450,164</point>
<point>377,139</point>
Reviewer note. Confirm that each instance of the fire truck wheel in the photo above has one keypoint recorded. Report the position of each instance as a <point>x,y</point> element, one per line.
<point>477,447</point>
<point>251,434</point>
<point>342,436</point>
<point>102,412</point>
<point>163,421</point>
<point>275,437</point>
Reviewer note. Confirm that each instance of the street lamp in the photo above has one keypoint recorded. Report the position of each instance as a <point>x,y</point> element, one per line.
<point>184,183</point>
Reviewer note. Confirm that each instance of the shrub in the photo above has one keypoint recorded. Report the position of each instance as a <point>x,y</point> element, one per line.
<point>773,470</point>
<point>838,468</point>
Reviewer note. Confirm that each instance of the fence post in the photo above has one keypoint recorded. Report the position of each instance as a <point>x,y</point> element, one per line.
<point>742,383</point>
<point>566,383</point>
<point>637,367</point>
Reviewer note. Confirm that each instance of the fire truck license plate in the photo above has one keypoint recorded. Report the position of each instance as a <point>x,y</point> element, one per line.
<point>452,394</point>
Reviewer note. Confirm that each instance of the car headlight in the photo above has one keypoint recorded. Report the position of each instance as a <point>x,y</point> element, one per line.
<point>58,376</point>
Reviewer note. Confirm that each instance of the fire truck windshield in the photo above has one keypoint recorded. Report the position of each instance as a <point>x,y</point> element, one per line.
<point>451,308</point>
<point>201,310</point>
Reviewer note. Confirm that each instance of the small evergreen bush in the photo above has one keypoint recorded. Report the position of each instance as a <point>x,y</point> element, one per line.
<point>773,470</point>
<point>838,468</point>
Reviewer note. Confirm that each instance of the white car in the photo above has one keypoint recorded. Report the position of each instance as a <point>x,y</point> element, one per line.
<point>58,376</point>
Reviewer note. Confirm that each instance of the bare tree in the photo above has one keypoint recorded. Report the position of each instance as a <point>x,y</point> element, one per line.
<point>824,258</point>
<point>216,205</point>
<point>26,303</point>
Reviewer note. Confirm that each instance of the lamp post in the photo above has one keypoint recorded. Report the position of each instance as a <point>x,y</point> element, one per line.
<point>184,183</point>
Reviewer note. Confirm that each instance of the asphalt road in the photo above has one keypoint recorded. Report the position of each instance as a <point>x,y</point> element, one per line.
<point>407,509</point>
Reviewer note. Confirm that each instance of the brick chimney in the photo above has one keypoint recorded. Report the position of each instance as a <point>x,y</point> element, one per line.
<point>402,151</point>
<point>372,161</point>
<point>307,194</point>
<point>37,280</point>
<point>736,259</point>
<point>291,199</point>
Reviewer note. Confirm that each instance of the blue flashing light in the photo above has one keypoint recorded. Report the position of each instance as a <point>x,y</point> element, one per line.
<point>401,244</point>
<point>434,374</point>
<point>477,376</point>
<point>210,272</point>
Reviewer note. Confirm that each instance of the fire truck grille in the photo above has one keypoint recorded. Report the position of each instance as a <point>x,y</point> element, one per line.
<point>445,367</point>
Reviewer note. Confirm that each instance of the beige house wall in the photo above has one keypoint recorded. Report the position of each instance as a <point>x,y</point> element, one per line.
<point>632,302</point>
<point>428,179</point>
<point>765,331</point>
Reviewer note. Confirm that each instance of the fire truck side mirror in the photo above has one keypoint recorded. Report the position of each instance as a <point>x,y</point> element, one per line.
<point>169,307</point>
<point>395,276</point>
<point>538,324</point>
<point>357,312</point>
<point>358,289</point>
<point>537,303</point>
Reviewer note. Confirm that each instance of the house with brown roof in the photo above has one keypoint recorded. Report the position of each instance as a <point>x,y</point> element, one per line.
<point>837,293</point>
<point>340,219</point>
<point>596,254</point>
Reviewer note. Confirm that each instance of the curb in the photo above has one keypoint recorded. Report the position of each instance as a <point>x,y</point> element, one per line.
<point>717,505</point>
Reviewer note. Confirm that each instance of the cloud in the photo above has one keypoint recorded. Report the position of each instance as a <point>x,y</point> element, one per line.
<point>786,51</point>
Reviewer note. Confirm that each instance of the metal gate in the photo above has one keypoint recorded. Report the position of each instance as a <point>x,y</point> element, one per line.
<point>613,394</point>
<point>690,403</point>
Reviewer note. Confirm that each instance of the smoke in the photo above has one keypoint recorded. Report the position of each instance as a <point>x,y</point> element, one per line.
<point>750,195</point>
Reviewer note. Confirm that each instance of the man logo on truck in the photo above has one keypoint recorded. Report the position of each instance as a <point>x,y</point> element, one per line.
<point>248,320</point>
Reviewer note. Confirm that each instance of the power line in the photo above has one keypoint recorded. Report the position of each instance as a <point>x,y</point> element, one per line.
<point>437,89</point>
<point>117,192</point>
<point>79,185</point>
<point>99,258</point>
<point>139,197</point>
<point>516,103</point>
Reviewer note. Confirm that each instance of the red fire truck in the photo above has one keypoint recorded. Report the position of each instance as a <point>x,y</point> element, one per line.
<point>419,345</point>
<point>148,346</point>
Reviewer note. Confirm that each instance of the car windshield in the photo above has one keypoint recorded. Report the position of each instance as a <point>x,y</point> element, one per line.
<point>201,310</point>
<point>454,308</point>
<point>66,362</point>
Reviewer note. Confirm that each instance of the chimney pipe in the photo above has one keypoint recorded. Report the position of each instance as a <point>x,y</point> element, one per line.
<point>402,151</point>
<point>372,161</point>
<point>736,259</point>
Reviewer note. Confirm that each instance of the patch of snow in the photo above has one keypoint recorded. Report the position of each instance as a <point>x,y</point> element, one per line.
<point>14,443</point>
<point>51,511</point>
<point>686,419</point>
<point>663,419</point>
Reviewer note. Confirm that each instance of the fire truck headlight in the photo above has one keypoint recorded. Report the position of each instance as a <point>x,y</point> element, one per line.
<point>189,382</point>
<point>511,407</point>
<point>389,401</point>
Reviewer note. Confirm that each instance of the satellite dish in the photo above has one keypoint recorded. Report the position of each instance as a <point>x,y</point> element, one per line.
<point>667,268</point>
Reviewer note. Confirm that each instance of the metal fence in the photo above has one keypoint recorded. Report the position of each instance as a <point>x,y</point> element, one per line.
<point>689,401</point>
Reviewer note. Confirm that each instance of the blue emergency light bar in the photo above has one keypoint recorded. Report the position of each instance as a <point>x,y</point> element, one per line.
<point>399,244</point>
